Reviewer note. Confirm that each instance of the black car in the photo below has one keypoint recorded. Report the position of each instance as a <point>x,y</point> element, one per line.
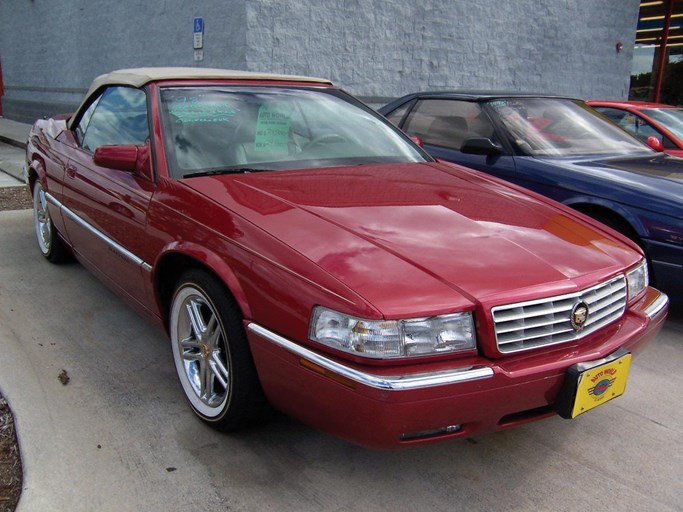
<point>562,148</point>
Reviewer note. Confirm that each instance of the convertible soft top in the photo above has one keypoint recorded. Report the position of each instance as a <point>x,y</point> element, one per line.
<point>137,77</point>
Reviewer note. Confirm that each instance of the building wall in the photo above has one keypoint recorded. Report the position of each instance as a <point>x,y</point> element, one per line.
<point>51,50</point>
<point>394,47</point>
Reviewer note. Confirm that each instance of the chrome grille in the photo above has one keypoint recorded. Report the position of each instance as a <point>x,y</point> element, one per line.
<point>544,322</point>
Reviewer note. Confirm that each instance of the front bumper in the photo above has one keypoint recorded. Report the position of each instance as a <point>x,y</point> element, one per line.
<point>388,407</point>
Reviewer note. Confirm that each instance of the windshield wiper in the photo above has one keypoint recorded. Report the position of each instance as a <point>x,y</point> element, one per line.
<point>230,170</point>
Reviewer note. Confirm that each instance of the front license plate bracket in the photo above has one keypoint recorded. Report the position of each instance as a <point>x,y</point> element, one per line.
<point>593,383</point>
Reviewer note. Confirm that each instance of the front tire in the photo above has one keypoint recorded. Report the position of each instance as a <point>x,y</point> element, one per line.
<point>50,243</point>
<point>211,354</point>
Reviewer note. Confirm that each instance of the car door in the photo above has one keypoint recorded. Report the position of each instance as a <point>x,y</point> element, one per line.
<point>105,209</point>
<point>444,125</point>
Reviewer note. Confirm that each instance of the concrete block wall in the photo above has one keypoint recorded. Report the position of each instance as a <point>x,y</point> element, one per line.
<point>390,48</point>
<point>51,50</point>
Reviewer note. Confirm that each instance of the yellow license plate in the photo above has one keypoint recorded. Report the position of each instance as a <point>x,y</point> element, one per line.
<point>601,384</point>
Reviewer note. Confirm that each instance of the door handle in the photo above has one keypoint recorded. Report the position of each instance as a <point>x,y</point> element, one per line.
<point>71,171</point>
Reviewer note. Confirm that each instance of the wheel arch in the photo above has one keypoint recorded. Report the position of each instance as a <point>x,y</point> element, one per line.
<point>175,262</point>
<point>616,213</point>
<point>34,171</point>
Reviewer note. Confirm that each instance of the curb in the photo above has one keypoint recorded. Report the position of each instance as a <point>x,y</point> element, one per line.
<point>12,142</point>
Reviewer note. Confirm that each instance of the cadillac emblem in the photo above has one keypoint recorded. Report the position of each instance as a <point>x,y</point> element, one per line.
<point>579,316</point>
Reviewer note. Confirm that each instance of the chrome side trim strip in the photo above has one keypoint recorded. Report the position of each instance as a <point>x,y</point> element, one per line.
<point>385,382</point>
<point>660,303</point>
<point>116,246</point>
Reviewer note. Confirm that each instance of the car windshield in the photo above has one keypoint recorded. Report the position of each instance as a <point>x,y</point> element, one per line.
<point>213,129</point>
<point>671,118</point>
<point>561,128</point>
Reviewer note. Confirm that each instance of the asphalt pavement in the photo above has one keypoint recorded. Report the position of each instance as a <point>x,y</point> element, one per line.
<point>118,436</point>
<point>114,432</point>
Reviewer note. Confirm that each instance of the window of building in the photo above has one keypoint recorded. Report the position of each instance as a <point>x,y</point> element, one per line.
<point>657,71</point>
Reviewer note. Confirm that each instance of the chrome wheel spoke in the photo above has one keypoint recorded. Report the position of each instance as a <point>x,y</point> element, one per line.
<point>219,370</point>
<point>190,344</point>
<point>212,331</point>
<point>43,203</point>
<point>191,357</point>
<point>45,232</point>
<point>194,314</point>
<point>206,377</point>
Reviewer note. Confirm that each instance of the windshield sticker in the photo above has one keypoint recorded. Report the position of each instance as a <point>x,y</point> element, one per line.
<point>272,128</point>
<point>498,104</point>
<point>198,110</point>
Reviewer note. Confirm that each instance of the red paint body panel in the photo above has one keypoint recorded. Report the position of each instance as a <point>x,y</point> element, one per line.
<point>421,224</point>
<point>523,388</point>
<point>376,241</point>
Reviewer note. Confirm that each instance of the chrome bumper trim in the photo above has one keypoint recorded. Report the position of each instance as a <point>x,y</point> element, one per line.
<point>660,303</point>
<point>385,382</point>
<point>96,232</point>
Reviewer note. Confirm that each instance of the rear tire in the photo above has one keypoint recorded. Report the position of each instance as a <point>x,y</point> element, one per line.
<point>212,355</point>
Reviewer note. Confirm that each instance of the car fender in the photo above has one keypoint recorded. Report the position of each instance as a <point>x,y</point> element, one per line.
<point>181,251</point>
<point>35,171</point>
<point>584,203</point>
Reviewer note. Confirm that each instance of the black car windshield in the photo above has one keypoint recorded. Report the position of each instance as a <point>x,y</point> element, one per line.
<point>561,128</point>
<point>671,118</point>
<point>222,128</point>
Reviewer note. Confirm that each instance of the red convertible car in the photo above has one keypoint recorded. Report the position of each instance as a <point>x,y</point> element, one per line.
<point>303,254</point>
<point>645,120</point>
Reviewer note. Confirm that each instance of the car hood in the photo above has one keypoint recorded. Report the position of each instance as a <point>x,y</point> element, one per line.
<point>662,168</point>
<point>407,236</point>
<point>653,181</point>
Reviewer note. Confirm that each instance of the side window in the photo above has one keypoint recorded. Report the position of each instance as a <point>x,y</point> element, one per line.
<point>448,123</point>
<point>613,114</point>
<point>636,126</point>
<point>85,120</point>
<point>644,130</point>
<point>119,117</point>
<point>397,115</point>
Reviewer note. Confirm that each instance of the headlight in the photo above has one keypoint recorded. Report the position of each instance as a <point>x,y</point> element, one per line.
<point>393,338</point>
<point>637,280</point>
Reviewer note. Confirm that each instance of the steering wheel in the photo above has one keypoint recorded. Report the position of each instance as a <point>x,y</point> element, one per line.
<point>324,139</point>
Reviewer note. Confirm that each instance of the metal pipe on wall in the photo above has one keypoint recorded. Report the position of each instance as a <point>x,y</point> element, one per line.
<point>662,50</point>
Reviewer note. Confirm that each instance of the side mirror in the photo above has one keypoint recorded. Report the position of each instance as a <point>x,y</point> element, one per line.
<point>655,143</point>
<point>126,158</point>
<point>481,146</point>
<point>417,140</point>
<point>121,158</point>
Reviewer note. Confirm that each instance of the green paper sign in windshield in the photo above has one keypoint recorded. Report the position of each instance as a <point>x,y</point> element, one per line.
<point>272,129</point>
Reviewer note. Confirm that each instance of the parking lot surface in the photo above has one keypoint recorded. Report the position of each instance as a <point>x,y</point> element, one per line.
<point>118,435</point>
